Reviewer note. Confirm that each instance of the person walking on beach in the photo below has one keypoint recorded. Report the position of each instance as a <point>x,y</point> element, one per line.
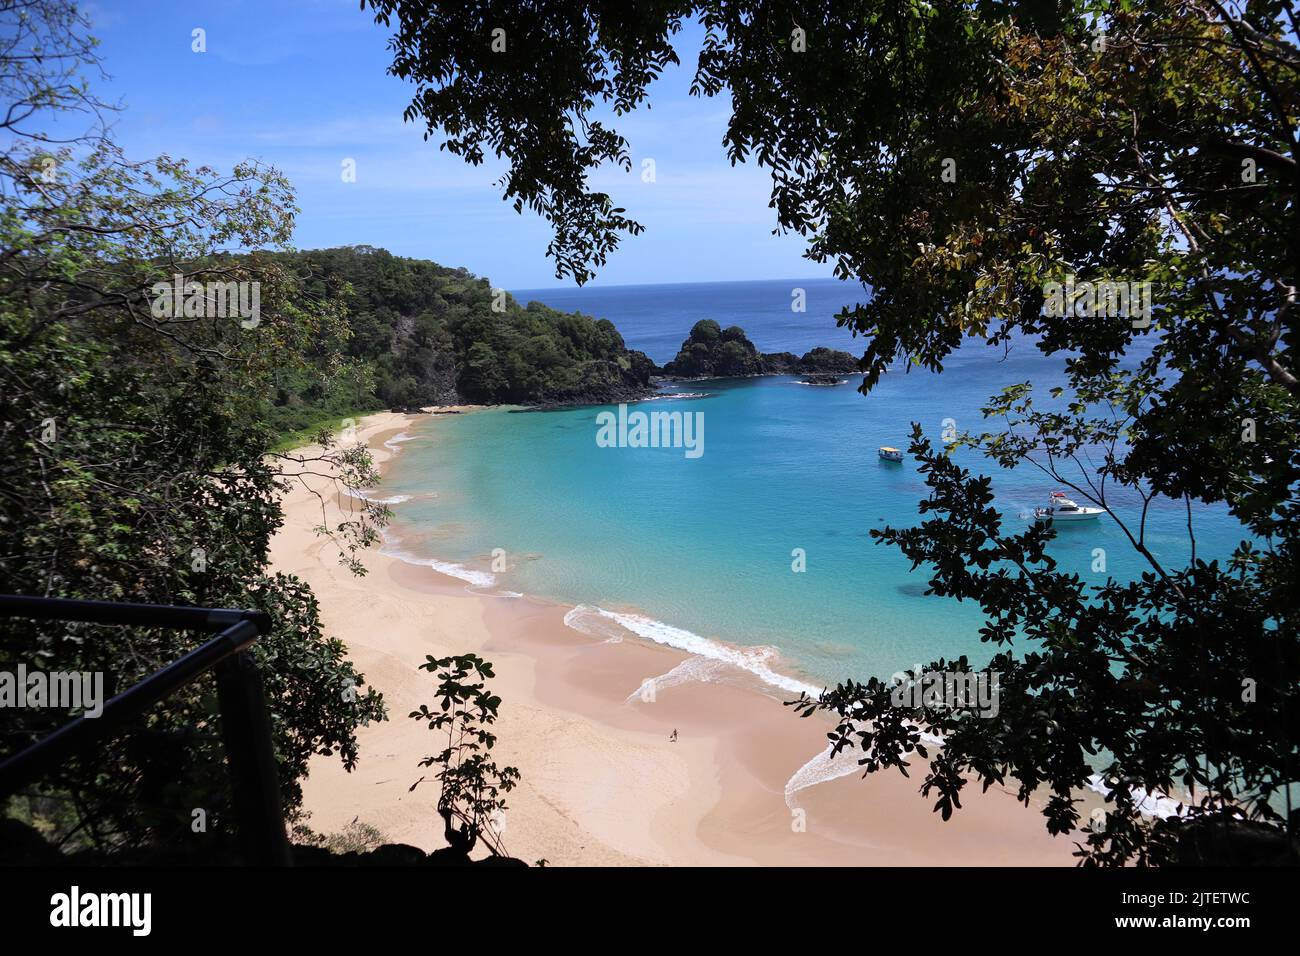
<point>673,738</point>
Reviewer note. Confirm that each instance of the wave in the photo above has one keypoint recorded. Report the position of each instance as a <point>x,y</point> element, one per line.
<point>827,766</point>
<point>591,620</point>
<point>365,496</point>
<point>702,670</point>
<point>471,576</point>
<point>820,769</point>
<point>396,440</point>
<point>824,767</point>
<point>668,396</point>
<point>1148,804</point>
<point>588,620</point>
<point>480,579</point>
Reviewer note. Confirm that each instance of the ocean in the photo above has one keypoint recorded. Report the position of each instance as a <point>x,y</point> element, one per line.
<point>701,552</point>
<point>656,318</point>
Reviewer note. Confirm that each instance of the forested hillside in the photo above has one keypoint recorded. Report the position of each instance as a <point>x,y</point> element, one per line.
<point>424,334</point>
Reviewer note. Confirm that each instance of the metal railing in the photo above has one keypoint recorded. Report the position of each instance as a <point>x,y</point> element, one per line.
<point>245,725</point>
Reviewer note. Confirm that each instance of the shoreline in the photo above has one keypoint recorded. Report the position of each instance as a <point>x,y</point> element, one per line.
<point>601,781</point>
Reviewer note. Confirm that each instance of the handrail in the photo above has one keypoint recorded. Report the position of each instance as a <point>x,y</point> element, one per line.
<point>53,749</point>
<point>244,721</point>
<point>114,612</point>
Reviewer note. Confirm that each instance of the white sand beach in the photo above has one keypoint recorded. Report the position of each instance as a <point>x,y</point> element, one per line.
<point>602,783</point>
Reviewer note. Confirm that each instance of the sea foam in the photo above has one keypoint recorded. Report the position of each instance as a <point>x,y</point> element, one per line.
<point>1148,804</point>
<point>828,765</point>
<point>588,619</point>
<point>825,767</point>
<point>472,576</point>
<point>693,670</point>
<point>820,769</point>
<point>670,396</point>
<point>365,496</point>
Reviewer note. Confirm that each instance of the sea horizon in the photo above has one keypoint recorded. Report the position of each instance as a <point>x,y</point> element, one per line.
<point>778,315</point>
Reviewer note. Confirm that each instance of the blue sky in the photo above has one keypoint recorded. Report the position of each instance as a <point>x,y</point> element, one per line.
<point>301,84</point>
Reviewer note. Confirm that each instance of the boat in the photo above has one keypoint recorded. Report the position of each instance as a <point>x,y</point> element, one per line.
<point>1061,508</point>
<point>890,454</point>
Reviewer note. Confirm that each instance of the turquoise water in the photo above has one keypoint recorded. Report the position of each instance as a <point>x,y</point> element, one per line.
<point>704,545</point>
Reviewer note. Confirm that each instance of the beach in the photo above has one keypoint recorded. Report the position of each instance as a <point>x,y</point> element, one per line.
<point>602,782</point>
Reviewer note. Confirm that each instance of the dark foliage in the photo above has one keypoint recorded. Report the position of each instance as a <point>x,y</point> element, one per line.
<point>471,798</point>
<point>422,334</point>
<point>714,352</point>
<point>134,459</point>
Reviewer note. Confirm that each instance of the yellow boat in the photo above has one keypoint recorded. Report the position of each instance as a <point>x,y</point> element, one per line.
<point>890,454</point>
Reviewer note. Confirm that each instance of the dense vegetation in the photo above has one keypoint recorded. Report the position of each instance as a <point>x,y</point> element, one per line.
<point>424,334</point>
<point>133,454</point>
<point>959,157</point>
<point>714,352</point>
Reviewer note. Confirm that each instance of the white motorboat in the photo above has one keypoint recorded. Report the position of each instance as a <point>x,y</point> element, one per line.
<point>890,454</point>
<point>1061,508</point>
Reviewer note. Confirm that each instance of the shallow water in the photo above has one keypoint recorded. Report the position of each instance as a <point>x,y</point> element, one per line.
<point>703,547</point>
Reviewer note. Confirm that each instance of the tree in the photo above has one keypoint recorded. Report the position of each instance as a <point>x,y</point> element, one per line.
<point>471,800</point>
<point>135,456</point>
<point>423,334</point>
<point>969,161</point>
